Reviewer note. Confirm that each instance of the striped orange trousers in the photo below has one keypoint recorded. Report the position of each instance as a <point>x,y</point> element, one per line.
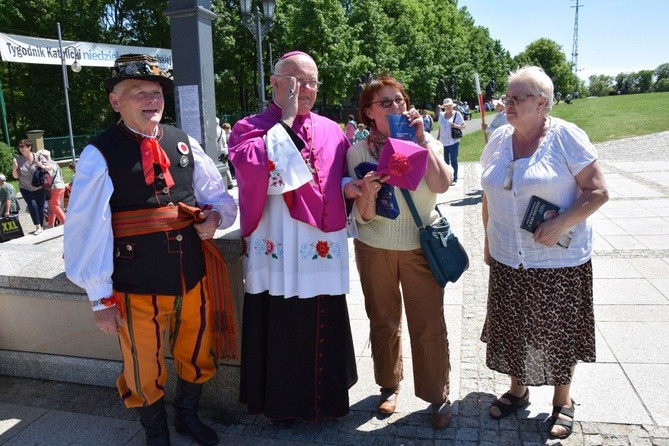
<point>189,319</point>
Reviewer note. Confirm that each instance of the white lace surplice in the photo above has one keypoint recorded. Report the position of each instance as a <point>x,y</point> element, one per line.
<point>285,256</point>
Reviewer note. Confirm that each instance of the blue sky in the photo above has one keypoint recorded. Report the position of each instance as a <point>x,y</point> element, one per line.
<point>614,36</point>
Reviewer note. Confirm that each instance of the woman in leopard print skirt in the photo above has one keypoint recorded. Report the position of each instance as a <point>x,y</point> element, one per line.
<point>540,319</point>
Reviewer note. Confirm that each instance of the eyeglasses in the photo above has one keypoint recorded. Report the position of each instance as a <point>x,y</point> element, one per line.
<point>313,84</point>
<point>515,100</point>
<point>387,103</point>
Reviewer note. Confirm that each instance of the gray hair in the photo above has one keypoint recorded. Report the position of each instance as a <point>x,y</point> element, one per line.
<point>538,82</point>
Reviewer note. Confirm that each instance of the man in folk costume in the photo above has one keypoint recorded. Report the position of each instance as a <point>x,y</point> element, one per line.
<point>297,351</point>
<point>141,216</point>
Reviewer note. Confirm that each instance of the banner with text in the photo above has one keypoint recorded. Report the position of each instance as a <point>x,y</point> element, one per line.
<point>24,49</point>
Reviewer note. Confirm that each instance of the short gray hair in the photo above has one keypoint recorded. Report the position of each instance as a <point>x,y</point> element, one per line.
<point>538,82</point>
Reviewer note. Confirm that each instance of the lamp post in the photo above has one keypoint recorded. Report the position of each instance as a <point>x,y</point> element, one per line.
<point>76,67</point>
<point>252,20</point>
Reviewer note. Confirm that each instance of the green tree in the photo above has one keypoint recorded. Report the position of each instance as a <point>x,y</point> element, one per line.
<point>661,85</point>
<point>642,81</point>
<point>600,85</point>
<point>549,55</point>
<point>325,34</point>
<point>662,72</point>
<point>36,99</point>
<point>661,78</point>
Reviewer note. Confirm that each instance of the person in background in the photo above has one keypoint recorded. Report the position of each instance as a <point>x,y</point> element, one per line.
<point>466,112</point>
<point>56,194</point>
<point>45,153</point>
<point>427,121</point>
<point>450,118</point>
<point>540,319</point>
<point>221,140</point>
<point>389,258</point>
<point>146,202</point>
<point>9,205</point>
<point>297,349</point>
<point>349,128</point>
<point>23,168</point>
<point>361,133</point>
<point>226,134</point>
<point>499,119</point>
<point>68,187</point>
<point>222,144</point>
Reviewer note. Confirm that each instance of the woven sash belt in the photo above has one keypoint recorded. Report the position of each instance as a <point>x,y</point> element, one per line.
<point>170,218</point>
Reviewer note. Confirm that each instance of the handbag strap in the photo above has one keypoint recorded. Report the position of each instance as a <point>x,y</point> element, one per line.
<point>412,208</point>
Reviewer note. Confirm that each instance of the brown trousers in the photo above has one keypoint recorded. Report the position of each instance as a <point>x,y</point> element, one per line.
<point>382,272</point>
<point>142,338</point>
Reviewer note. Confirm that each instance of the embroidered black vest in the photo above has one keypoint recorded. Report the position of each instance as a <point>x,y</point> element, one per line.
<point>152,263</point>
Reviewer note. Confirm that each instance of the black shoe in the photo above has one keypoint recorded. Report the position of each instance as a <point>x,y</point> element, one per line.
<point>186,421</point>
<point>154,420</point>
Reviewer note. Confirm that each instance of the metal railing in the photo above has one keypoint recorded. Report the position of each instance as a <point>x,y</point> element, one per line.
<point>60,149</point>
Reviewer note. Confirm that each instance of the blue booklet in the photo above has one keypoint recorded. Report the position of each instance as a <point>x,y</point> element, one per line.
<point>386,203</point>
<point>400,129</point>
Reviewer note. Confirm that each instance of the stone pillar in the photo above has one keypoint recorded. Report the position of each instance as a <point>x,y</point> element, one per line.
<point>193,62</point>
<point>37,138</point>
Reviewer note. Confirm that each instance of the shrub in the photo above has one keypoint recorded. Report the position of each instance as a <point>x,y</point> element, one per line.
<point>661,85</point>
<point>6,159</point>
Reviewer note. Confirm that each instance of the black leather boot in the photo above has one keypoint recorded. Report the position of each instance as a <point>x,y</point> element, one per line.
<point>186,421</point>
<point>154,420</point>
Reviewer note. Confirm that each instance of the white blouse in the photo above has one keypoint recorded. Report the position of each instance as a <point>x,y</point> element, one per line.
<point>549,174</point>
<point>445,127</point>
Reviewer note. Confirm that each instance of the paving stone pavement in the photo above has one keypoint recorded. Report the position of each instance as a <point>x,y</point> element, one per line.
<point>622,399</point>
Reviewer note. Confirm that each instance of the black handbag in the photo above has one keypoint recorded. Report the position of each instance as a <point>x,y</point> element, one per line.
<point>42,178</point>
<point>456,133</point>
<point>444,252</point>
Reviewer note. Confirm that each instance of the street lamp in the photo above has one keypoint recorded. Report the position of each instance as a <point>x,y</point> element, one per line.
<point>66,88</point>
<point>252,18</point>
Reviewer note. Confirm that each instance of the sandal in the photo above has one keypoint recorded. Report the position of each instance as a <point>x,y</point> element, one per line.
<point>515,403</point>
<point>568,425</point>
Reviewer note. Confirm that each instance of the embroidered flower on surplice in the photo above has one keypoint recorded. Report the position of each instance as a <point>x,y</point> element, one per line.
<point>320,250</point>
<point>267,247</point>
<point>323,249</point>
<point>275,178</point>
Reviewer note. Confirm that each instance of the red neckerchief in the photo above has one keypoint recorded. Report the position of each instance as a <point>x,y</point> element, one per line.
<point>152,153</point>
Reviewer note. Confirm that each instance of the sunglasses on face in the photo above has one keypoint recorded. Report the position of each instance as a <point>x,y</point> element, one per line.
<point>387,103</point>
<point>515,100</point>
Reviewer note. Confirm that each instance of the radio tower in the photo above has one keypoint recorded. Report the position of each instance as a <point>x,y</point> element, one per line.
<point>574,50</point>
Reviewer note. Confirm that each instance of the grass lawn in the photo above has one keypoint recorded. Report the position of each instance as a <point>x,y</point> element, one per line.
<point>602,118</point>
